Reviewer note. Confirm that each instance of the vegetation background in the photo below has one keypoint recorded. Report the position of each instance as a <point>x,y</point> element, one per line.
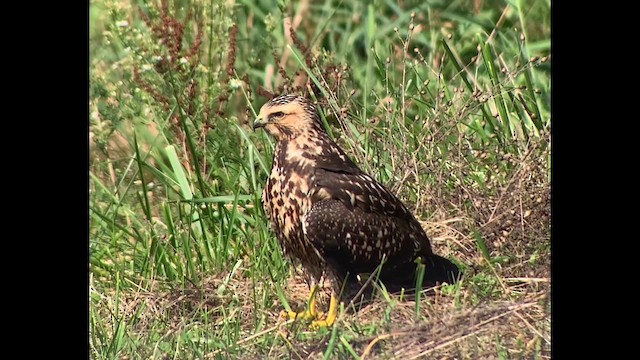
<point>445,102</point>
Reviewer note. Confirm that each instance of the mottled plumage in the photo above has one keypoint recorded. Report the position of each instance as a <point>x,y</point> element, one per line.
<point>329,215</point>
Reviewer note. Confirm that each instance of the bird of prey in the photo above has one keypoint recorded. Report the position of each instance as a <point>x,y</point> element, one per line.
<point>331,217</point>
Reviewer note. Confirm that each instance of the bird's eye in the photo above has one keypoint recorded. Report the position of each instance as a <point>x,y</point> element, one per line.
<point>277,115</point>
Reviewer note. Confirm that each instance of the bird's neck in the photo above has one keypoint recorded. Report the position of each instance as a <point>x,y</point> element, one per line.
<point>301,150</point>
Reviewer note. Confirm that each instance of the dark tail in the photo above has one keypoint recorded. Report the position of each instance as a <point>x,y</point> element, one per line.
<point>437,270</point>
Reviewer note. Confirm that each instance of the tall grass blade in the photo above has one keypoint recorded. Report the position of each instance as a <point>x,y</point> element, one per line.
<point>482,246</point>
<point>178,172</point>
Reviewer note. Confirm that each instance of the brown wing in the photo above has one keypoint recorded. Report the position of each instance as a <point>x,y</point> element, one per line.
<point>337,177</point>
<point>358,190</point>
<point>357,240</point>
<point>357,221</point>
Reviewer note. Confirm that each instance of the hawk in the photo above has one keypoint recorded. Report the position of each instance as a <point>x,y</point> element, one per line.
<point>331,217</point>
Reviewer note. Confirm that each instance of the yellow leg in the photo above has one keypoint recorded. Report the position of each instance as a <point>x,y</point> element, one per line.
<point>310,313</point>
<point>331,315</point>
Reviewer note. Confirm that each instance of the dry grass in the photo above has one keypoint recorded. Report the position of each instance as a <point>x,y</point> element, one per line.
<point>511,319</point>
<point>445,330</point>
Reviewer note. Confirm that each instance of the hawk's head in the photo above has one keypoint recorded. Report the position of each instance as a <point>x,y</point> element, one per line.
<point>288,116</point>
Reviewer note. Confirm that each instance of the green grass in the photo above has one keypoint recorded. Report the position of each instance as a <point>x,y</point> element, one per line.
<point>445,102</point>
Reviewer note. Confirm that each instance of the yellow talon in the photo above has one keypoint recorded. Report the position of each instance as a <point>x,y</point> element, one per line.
<point>309,314</point>
<point>306,315</point>
<point>312,314</point>
<point>331,315</point>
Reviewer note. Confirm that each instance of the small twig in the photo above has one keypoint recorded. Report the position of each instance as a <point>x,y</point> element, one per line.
<point>447,343</point>
<point>249,338</point>
<point>523,279</point>
<point>499,23</point>
<point>532,328</point>
<point>476,329</point>
<point>369,347</point>
<point>493,270</point>
<point>521,217</point>
<point>363,287</point>
<point>511,181</point>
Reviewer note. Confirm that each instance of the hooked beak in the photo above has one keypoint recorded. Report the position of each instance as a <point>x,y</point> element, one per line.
<point>259,122</point>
